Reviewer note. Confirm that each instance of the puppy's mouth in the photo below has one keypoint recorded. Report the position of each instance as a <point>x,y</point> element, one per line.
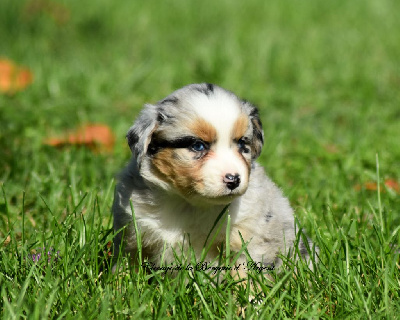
<point>207,201</point>
<point>225,197</point>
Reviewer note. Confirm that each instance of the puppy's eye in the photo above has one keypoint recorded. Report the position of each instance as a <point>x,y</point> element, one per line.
<point>198,146</point>
<point>243,145</point>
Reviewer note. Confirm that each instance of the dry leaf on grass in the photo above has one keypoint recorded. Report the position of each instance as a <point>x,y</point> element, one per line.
<point>391,184</point>
<point>97,137</point>
<point>13,78</point>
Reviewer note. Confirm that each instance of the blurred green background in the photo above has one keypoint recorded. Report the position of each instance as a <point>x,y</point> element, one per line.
<point>325,76</point>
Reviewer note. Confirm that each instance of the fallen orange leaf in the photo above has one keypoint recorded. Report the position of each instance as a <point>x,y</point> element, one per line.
<point>13,78</point>
<point>97,137</point>
<point>392,184</point>
<point>373,186</point>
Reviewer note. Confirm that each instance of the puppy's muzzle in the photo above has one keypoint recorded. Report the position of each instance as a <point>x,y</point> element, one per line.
<point>232,180</point>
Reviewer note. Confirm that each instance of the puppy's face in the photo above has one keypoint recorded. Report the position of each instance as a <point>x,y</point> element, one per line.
<point>199,142</point>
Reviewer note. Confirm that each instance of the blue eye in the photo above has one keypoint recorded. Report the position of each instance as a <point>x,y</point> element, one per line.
<point>198,146</point>
<point>242,145</point>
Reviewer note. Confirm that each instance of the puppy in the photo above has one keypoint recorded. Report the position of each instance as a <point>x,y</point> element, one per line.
<point>193,154</point>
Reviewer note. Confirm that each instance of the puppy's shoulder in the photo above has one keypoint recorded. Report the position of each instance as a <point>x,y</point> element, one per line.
<point>129,177</point>
<point>264,197</point>
<point>131,186</point>
<point>260,185</point>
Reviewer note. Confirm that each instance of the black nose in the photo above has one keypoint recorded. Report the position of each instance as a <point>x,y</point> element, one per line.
<point>232,180</point>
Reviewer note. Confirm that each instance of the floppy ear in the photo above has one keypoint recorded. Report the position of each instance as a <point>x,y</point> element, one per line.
<point>139,135</point>
<point>258,133</point>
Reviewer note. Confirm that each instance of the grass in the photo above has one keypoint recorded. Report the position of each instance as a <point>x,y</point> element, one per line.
<point>326,78</point>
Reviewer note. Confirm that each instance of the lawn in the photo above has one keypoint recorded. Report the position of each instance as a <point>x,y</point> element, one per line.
<point>326,78</point>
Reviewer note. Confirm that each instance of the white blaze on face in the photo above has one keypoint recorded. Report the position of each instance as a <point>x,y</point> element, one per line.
<point>219,109</point>
<point>222,111</point>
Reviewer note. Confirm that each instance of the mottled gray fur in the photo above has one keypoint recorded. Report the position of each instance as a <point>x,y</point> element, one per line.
<point>262,214</point>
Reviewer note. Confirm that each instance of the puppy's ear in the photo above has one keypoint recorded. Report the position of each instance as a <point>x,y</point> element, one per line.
<point>258,133</point>
<point>139,135</point>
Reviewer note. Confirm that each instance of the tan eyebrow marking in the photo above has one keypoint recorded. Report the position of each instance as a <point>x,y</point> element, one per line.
<point>203,130</point>
<point>240,127</point>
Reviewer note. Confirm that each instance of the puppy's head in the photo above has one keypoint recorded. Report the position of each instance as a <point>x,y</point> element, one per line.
<point>198,142</point>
